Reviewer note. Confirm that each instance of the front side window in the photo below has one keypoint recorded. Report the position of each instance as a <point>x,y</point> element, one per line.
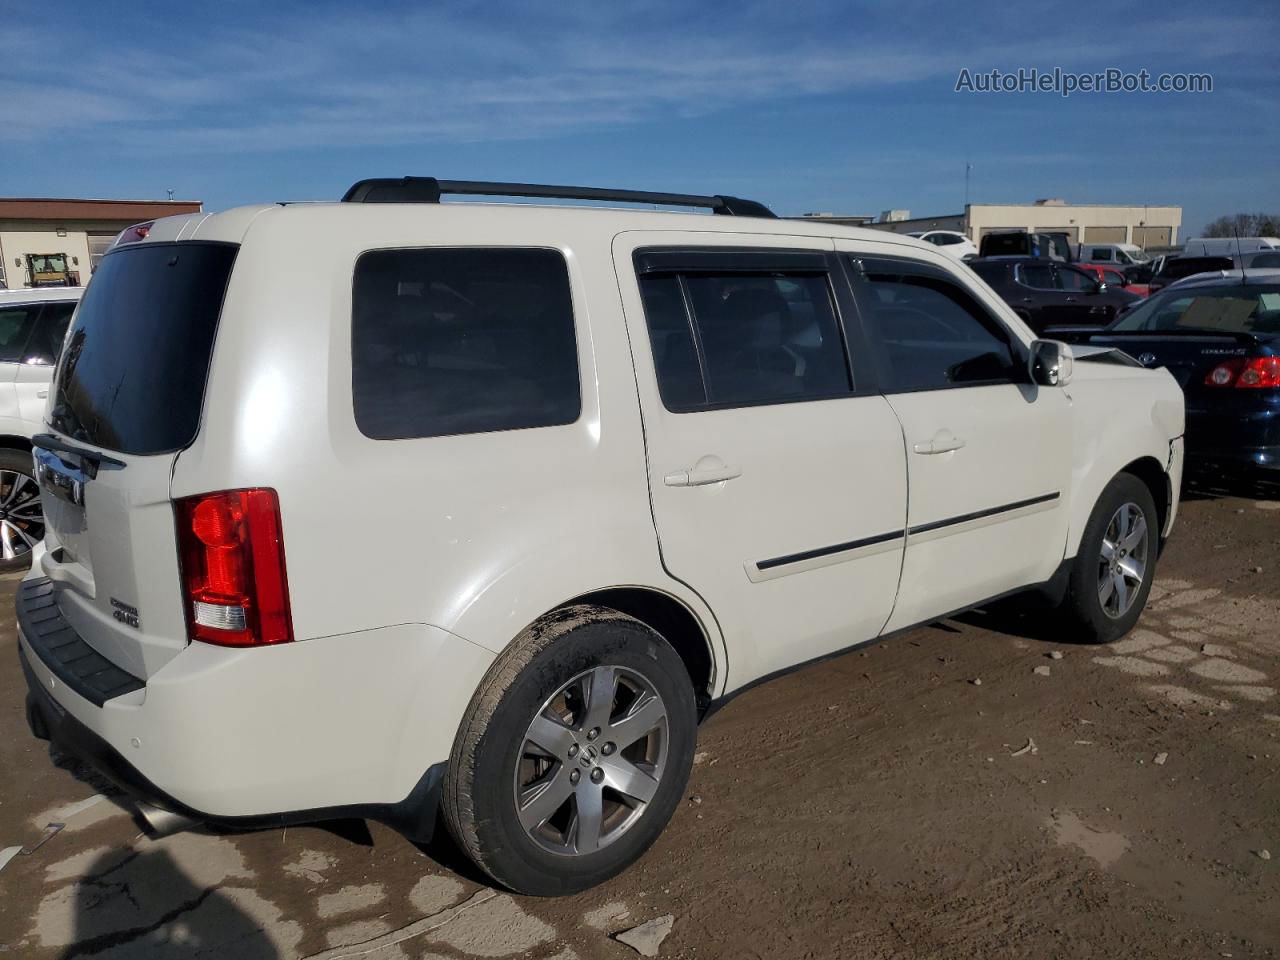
<point>1101,254</point>
<point>1113,278</point>
<point>933,333</point>
<point>737,339</point>
<point>450,341</point>
<point>1074,280</point>
<point>46,340</point>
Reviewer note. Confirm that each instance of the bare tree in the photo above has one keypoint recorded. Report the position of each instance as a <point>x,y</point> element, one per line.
<point>1245,225</point>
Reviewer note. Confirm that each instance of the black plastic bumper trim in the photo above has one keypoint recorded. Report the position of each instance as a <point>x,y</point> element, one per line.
<point>64,651</point>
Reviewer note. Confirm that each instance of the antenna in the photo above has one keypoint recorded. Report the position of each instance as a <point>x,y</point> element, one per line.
<point>1244,277</point>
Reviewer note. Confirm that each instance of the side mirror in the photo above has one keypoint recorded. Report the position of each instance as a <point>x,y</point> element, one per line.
<point>1050,363</point>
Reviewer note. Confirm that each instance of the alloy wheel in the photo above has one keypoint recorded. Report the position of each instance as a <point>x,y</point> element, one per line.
<point>21,514</point>
<point>1122,565</point>
<point>591,761</point>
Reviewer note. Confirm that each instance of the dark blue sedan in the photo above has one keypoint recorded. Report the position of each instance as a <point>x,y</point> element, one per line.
<point>1220,337</point>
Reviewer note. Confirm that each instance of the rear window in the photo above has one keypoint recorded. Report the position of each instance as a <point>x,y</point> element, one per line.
<point>1179,267</point>
<point>1005,245</point>
<point>133,373</point>
<point>449,341</point>
<point>1231,309</point>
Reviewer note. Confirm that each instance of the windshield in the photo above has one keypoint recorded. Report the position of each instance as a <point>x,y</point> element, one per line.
<point>1137,256</point>
<point>1228,309</point>
<point>132,374</point>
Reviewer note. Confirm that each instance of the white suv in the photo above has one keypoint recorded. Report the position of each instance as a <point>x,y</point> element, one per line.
<point>33,323</point>
<point>949,242</point>
<point>369,507</point>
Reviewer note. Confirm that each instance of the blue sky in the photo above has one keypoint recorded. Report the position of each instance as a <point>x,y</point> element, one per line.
<point>806,106</point>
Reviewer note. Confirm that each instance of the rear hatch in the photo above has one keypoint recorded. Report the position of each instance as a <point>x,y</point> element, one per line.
<point>127,398</point>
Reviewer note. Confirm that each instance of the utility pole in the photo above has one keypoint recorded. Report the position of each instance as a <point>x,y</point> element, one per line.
<point>967,167</point>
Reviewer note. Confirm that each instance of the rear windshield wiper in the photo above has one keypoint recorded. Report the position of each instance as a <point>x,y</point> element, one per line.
<point>47,441</point>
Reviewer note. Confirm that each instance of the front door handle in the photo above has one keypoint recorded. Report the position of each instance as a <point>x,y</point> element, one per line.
<point>700,478</point>
<point>42,394</point>
<point>944,441</point>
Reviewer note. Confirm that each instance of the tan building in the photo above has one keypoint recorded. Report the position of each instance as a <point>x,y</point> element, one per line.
<point>1144,225</point>
<point>41,239</point>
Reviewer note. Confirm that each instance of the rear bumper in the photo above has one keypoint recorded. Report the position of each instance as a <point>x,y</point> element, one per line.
<point>355,725</point>
<point>414,816</point>
<point>1244,435</point>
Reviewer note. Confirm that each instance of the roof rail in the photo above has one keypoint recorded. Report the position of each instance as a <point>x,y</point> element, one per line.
<point>429,190</point>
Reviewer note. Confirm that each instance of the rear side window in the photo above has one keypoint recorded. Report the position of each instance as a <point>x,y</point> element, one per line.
<point>932,332</point>
<point>1036,275</point>
<point>16,324</point>
<point>738,339</point>
<point>449,341</point>
<point>133,374</point>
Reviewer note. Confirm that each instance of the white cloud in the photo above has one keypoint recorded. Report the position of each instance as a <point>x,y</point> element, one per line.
<point>316,79</point>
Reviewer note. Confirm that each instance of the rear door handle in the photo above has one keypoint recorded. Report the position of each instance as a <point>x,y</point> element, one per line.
<point>700,478</point>
<point>42,394</point>
<point>944,441</point>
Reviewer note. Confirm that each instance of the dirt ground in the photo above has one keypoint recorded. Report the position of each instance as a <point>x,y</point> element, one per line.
<point>884,804</point>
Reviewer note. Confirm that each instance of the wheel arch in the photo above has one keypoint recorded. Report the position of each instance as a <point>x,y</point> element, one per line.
<point>9,441</point>
<point>677,624</point>
<point>1153,475</point>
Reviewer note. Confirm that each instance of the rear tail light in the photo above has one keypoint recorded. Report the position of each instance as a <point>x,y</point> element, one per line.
<point>233,573</point>
<point>1245,372</point>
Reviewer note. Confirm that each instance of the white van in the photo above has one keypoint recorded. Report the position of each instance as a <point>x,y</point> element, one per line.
<point>365,508</point>
<point>1229,246</point>
<point>1123,254</point>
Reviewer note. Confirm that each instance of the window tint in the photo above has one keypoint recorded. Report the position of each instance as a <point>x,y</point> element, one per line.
<point>1005,244</point>
<point>133,373</point>
<point>1075,280</point>
<point>448,341</point>
<point>46,340</point>
<point>1038,275</point>
<point>1111,277</point>
<point>933,333</point>
<point>1101,254</point>
<point>993,273</point>
<point>752,338</point>
<point>15,329</point>
<point>945,239</point>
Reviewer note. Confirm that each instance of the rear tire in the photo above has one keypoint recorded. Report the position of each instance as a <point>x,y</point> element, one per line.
<point>1113,569</point>
<point>21,514</point>
<point>535,788</point>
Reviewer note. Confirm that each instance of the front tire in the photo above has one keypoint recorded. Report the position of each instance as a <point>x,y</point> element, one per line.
<point>1115,564</point>
<point>574,753</point>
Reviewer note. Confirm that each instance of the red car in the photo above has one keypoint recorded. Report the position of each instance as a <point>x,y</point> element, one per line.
<point>1112,277</point>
